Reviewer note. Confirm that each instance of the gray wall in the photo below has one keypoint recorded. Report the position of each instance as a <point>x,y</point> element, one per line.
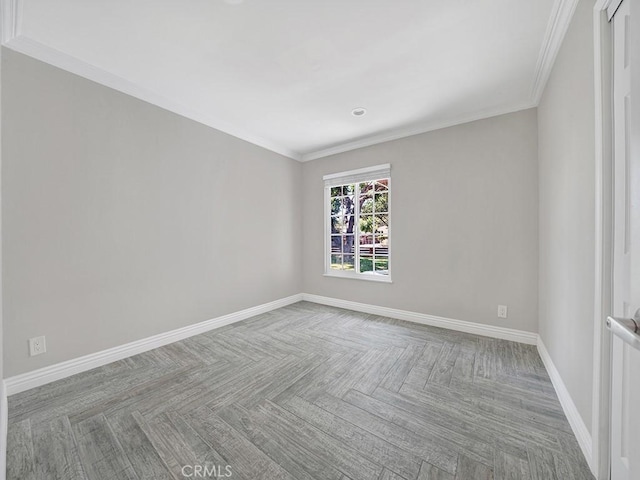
<point>123,220</point>
<point>464,222</point>
<point>566,125</point>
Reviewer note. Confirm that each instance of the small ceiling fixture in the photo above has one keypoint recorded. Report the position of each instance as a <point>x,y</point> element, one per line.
<point>359,112</point>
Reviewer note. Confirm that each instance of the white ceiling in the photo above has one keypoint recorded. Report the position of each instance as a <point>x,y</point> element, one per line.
<point>285,74</point>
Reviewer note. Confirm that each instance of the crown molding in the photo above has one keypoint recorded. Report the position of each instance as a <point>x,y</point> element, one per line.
<point>557,27</point>
<point>11,11</point>
<point>46,54</point>
<point>11,18</point>
<point>51,56</point>
<point>558,24</point>
<point>398,134</point>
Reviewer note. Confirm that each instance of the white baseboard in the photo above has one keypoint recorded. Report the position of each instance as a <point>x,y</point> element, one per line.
<point>42,376</point>
<point>520,336</point>
<point>20,383</point>
<point>4,423</point>
<point>575,420</point>
<point>570,410</point>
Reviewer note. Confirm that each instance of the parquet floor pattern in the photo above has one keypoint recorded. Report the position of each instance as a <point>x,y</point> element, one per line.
<point>304,392</point>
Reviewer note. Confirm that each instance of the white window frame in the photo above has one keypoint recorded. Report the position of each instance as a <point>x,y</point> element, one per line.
<point>343,178</point>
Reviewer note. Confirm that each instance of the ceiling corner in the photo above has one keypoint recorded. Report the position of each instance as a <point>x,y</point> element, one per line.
<point>559,22</point>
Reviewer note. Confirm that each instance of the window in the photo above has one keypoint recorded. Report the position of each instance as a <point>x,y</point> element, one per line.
<point>357,223</point>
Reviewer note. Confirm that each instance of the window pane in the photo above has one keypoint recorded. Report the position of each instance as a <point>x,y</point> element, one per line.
<point>382,185</point>
<point>336,191</point>
<point>366,204</point>
<point>381,245</point>
<point>349,189</point>
<point>348,244</point>
<point>382,240</point>
<point>366,264</point>
<point>348,263</point>
<point>366,244</point>
<point>336,262</point>
<point>342,224</point>
<point>366,223</point>
<point>382,202</point>
<point>336,206</point>
<point>336,225</point>
<point>336,244</point>
<point>349,224</point>
<point>343,206</point>
<point>366,187</point>
<point>381,223</point>
<point>348,205</point>
<point>382,265</point>
<point>366,197</point>
<point>366,239</point>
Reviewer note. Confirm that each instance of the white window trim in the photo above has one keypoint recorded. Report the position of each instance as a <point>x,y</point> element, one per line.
<point>354,176</point>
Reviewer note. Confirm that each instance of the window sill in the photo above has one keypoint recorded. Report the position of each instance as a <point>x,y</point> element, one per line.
<point>361,276</point>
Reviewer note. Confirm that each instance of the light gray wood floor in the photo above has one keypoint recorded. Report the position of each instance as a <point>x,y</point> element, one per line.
<point>304,392</point>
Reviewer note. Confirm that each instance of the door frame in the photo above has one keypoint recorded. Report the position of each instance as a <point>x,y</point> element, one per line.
<point>603,84</point>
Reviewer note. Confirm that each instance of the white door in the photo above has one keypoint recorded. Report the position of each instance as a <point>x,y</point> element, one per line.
<point>625,397</point>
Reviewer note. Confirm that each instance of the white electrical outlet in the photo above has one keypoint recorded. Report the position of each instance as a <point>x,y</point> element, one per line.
<point>502,311</point>
<point>37,346</point>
